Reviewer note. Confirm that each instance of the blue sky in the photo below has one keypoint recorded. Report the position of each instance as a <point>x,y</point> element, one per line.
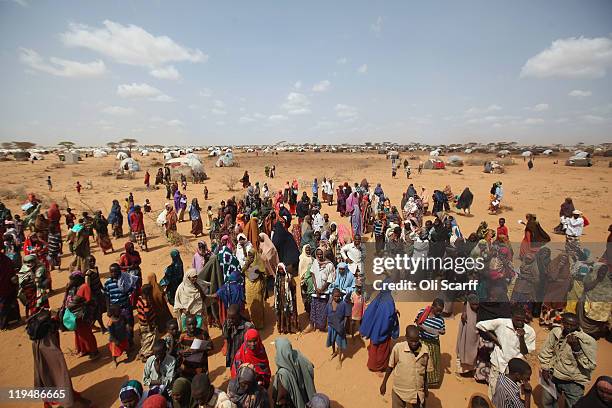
<point>202,72</point>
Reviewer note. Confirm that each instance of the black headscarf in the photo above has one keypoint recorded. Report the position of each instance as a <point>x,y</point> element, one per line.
<point>285,245</point>
<point>592,399</point>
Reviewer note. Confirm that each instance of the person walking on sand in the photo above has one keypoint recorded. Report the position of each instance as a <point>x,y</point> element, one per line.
<point>408,364</point>
<point>147,180</point>
<point>49,183</point>
<point>78,187</point>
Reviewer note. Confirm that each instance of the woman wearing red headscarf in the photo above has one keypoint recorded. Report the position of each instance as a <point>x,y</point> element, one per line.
<point>253,352</point>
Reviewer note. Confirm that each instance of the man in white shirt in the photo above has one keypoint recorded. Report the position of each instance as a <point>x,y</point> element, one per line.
<point>317,221</point>
<point>160,367</point>
<point>354,255</point>
<point>574,226</point>
<point>513,339</point>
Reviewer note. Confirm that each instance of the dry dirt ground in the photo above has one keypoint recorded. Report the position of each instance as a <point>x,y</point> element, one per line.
<point>540,191</point>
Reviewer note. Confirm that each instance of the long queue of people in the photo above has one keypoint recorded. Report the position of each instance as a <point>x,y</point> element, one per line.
<point>258,251</point>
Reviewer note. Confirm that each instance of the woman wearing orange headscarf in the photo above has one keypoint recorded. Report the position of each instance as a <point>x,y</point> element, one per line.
<point>160,306</point>
<point>251,230</point>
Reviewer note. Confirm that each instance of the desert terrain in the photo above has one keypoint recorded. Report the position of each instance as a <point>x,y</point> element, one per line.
<point>540,191</point>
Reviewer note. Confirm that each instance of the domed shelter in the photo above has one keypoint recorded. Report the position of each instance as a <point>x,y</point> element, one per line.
<point>129,164</point>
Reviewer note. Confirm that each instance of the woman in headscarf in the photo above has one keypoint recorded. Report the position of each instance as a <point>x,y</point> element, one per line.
<point>41,227</point>
<point>190,299</point>
<point>534,237</point>
<point>341,202</point>
<point>232,291</point>
<point>566,210</point>
<point>173,276</point>
<point>285,305</point>
<point>599,396</point>
<point>242,249</point>
<point>33,283</point>
<point>177,200</point>
<point>380,323</point>
<point>115,219</point>
<point>286,247</point>
<point>201,256</point>
<point>9,309</point>
<point>162,312</point>
<point>53,215</point>
<point>293,196</point>
<point>345,281</point>
<point>78,300</point>
<point>131,394</point>
<point>269,255</point>
<point>251,230</point>
<point>171,221</point>
<point>252,351</point>
<point>448,192</point>
<point>594,309</point>
<point>181,394</point>
<point>227,260</point>
<point>464,202</point>
<point>306,284</point>
<point>244,390</point>
<point>255,287</point>
<point>294,379</point>
<point>100,225</point>
<point>196,218</point>
<point>467,336</point>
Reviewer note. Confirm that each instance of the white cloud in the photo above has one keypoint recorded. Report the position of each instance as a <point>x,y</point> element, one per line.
<point>492,119</point>
<point>219,103</point>
<point>341,61</point>
<point>175,123</point>
<point>478,111</point>
<point>118,111</point>
<point>345,111</point>
<point>594,119</point>
<point>578,93</point>
<point>143,90</point>
<point>363,69</point>
<point>61,67</point>
<point>297,104</point>
<point>259,116</point>
<point>277,118</point>
<point>220,123</point>
<point>298,85</point>
<point>321,86</point>
<point>540,107</point>
<point>206,92</point>
<point>376,27</point>
<point>168,72</point>
<point>216,111</point>
<point>246,119</point>
<point>571,58</point>
<point>129,44</point>
<point>533,121</point>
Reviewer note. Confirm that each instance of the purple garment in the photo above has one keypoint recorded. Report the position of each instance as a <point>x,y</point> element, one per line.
<point>356,219</point>
<point>351,201</point>
<point>177,200</point>
<point>198,262</point>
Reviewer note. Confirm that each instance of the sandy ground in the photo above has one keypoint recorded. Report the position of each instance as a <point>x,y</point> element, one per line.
<point>540,191</point>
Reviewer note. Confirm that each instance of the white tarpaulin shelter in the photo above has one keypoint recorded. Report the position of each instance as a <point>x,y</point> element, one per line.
<point>455,161</point>
<point>526,153</point>
<point>227,160</point>
<point>547,152</point>
<point>503,153</point>
<point>189,165</point>
<point>99,153</point>
<point>122,156</point>
<point>144,152</point>
<point>129,164</point>
<point>434,153</point>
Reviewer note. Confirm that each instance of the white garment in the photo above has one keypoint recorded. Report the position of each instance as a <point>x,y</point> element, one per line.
<point>510,347</point>
<point>322,274</point>
<point>574,226</point>
<point>356,255</point>
<point>240,252</point>
<point>219,400</point>
<point>317,222</point>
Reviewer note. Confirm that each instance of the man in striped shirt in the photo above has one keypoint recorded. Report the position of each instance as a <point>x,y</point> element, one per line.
<point>508,389</point>
<point>146,318</point>
<point>116,296</point>
<point>431,325</point>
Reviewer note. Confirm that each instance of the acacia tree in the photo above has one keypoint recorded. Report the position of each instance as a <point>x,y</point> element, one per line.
<point>24,145</point>
<point>129,142</point>
<point>66,144</point>
<point>112,145</point>
<point>7,145</point>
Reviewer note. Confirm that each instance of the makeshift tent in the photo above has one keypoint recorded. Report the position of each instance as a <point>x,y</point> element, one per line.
<point>144,152</point>
<point>434,164</point>
<point>227,160</point>
<point>455,161</point>
<point>547,152</point>
<point>503,153</point>
<point>69,157</point>
<point>468,151</point>
<point>577,161</point>
<point>129,164</point>
<point>493,167</point>
<point>392,154</point>
<point>99,153</point>
<point>189,165</point>
<point>434,153</point>
<point>580,155</point>
<point>122,156</point>
<point>36,156</point>
<point>526,153</point>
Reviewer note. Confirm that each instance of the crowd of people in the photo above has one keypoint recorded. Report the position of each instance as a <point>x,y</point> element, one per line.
<point>273,245</point>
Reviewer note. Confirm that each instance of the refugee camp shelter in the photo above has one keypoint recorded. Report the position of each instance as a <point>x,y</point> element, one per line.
<point>190,166</point>
<point>69,157</point>
<point>122,156</point>
<point>129,164</point>
<point>454,161</point>
<point>226,160</point>
<point>434,164</point>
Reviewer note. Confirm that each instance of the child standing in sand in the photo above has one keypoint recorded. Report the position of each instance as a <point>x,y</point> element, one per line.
<point>118,331</point>
<point>358,309</point>
<point>338,313</point>
<point>78,187</point>
<point>205,193</point>
<point>49,183</point>
<point>209,213</point>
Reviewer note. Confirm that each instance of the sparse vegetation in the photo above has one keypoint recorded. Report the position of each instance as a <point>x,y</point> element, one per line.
<point>230,182</point>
